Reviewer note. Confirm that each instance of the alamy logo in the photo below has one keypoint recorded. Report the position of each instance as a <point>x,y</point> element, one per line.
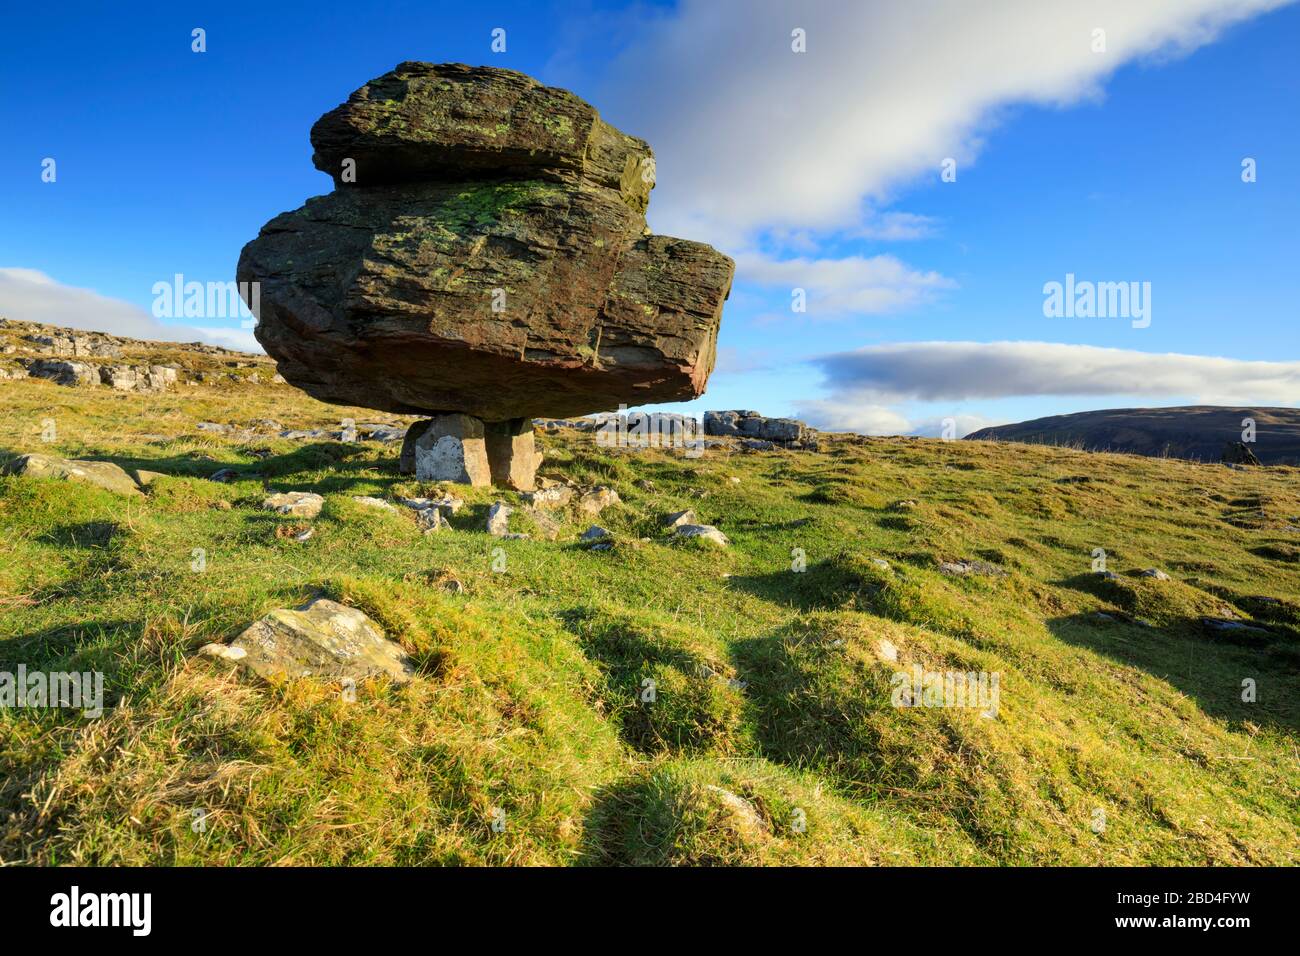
<point>82,690</point>
<point>921,688</point>
<point>103,909</point>
<point>1098,300</point>
<point>179,299</point>
<point>651,430</point>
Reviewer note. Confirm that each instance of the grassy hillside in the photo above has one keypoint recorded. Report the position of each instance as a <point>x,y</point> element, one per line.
<point>1121,735</point>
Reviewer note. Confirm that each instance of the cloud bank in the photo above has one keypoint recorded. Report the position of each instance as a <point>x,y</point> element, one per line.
<point>961,371</point>
<point>27,295</point>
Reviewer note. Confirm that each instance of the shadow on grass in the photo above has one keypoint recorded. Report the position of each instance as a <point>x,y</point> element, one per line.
<point>1208,667</point>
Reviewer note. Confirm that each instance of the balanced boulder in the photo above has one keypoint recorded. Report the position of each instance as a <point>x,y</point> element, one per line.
<point>484,253</point>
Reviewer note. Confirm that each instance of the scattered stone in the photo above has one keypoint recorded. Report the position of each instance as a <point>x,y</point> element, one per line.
<point>452,586</point>
<point>1102,617</point>
<point>214,427</point>
<point>300,504</point>
<point>555,496</point>
<point>757,444</point>
<point>1154,573</point>
<point>598,499</point>
<point>370,502</point>
<point>299,533</point>
<point>594,533</point>
<point>881,564</point>
<point>305,435</point>
<point>1107,575</point>
<point>498,520</point>
<point>678,518</point>
<point>645,484</point>
<point>430,520</point>
<point>966,568</point>
<point>887,650</point>
<point>227,652</point>
<point>734,480</point>
<point>1228,626</point>
<point>225,475</point>
<point>1238,453</point>
<point>324,639</point>
<point>705,531</point>
<point>102,474</point>
<point>546,526</point>
<point>907,504</point>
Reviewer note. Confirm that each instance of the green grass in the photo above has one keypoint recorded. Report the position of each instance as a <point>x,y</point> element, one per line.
<point>769,683</point>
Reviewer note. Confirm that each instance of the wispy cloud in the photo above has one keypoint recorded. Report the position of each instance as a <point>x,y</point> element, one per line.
<point>29,295</point>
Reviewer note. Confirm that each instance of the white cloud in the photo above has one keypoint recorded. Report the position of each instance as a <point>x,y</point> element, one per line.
<point>849,416</point>
<point>860,284</point>
<point>27,295</point>
<point>751,136</point>
<point>961,371</point>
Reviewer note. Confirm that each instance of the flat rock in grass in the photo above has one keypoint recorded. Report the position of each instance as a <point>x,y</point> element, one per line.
<point>322,638</point>
<point>1155,573</point>
<point>546,526</point>
<point>971,569</point>
<point>144,478</point>
<point>102,474</point>
<point>225,475</point>
<point>1225,626</point>
<point>596,500</point>
<point>300,504</point>
<point>594,533</point>
<point>379,504</point>
<point>705,531</point>
<point>679,518</point>
<point>747,818</point>
<point>448,504</point>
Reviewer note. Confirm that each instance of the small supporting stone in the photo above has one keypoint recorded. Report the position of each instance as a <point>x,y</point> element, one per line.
<point>512,453</point>
<point>461,448</point>
<point>447,448</point>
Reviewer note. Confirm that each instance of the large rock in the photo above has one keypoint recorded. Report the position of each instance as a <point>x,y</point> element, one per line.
<point>320,639</point>
<point>103,474</point>
<point>490,258</point>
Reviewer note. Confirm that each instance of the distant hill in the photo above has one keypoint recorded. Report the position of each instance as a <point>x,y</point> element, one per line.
<point>1196,432</point>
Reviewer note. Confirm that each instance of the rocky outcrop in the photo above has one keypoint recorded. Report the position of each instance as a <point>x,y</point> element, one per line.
<point>73,344</point>
<point>484,252</point>
<point>749,424</point>
<point>1238,453</point>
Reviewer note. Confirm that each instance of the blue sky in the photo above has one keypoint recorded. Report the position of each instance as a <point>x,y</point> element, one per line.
<point>818,170</point>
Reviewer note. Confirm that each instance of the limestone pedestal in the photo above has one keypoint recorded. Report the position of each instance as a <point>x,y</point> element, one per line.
<point>512,454</point>
<point>462,449</point>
